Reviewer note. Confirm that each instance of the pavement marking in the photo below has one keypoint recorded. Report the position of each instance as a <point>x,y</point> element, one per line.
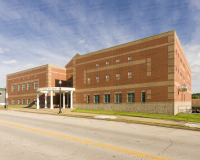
<point>90,142</point>
<point>154,128</point>
<point>81,120</point>
<point>112,123</point>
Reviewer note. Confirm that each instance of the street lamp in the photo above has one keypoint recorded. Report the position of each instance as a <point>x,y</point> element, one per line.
<point>5,97</point>
<point>60,82</point>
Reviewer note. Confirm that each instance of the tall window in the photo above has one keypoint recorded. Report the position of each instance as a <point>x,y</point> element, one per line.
<point>19,101</point>
<point>23,87</point>
<point>129,58</point>
<point>13,101</point>
<point>88,79</point>
<point>118,60</point>
<point>19,87</point>
<point>107,62</point>
<point>118,98</point>
<point>35,85</point>
<point>130,97</point>
<point>28,101</point>
<point>88,98</point>
<point>107,76</point>
<point>69,84</point>
<point>97,78</point>
<point>97,64</point>
<point>106,98</point>
<point>23,101</point>
<point>143,96</point>
<point>96,98</point>
<point>28,86</point>
<point>129,73</point>
<point>13,88</point>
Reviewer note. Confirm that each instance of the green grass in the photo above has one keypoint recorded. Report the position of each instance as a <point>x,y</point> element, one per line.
<point>178,117</point>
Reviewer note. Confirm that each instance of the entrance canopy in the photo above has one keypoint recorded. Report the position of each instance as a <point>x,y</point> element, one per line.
<point>52,90</point>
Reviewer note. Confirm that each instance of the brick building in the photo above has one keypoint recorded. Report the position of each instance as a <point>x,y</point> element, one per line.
<point>145,75</point>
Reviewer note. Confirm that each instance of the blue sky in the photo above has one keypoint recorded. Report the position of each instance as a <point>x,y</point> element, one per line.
<point>34,33</point>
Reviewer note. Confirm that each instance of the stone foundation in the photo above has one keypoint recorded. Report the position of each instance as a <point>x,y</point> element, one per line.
<point>155,108</point>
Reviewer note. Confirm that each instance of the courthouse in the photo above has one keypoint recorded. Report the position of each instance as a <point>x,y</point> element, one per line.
<point>149,75</point>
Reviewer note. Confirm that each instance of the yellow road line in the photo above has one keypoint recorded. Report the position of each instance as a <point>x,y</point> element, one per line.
<point>90,142</point>
<point>154,128</point>
<point>112,123</point>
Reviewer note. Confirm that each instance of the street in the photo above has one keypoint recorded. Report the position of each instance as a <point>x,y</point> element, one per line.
<point>41,136</point>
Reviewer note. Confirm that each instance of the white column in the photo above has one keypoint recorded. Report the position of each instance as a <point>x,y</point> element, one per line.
<point>45,100</point>
<point>68,100</point>
<point>63,100</point>
<point>71,106</point>
<point>38,106</point>
<point>51,104</point>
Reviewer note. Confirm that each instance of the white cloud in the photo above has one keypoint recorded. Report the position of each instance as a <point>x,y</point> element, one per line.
<point>1,51</point>
<point>9,62</point>
<point>82,41</point>
<point>29,66</point>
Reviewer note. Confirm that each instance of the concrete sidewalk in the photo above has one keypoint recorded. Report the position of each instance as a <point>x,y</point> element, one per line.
<point>68,112</point>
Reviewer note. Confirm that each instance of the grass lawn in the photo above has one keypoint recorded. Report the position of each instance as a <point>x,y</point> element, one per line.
<point>178,117</point>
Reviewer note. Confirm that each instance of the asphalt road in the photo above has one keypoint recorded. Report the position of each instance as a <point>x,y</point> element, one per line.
<point>38,136</point>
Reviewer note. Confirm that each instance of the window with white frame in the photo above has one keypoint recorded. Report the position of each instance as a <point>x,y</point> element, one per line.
<point>19,87</point>
<point>118,98</point>
<point>35,85</point>
<point>117,75</point>
<point>28,101</point>
<point>23,101</point>
<point>106,98</point>
<point>96,98</point>
<point>13,101</point>
<point>13,88</point>
<point>97,65</point>
<point>129,58</point>
<point>130,97</point>
<point>129,73</point>
<point>23,86</point>
<point>28,86</point>
<point>118,60</point>
<point>107,62</point>
<point>107,76</point>
<point>19,101</point>
<point>88,98</point>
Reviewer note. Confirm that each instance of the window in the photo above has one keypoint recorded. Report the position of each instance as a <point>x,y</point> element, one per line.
<point>13,88</point>
<point>23,101</point>
<point>69,84</point>
<point>130,97</point>
<point>35,85</point>
<point>19,101</point>
<point>118,60</point>
<point>28,86</point>
<point>107,63</point>
<point>143,96</point>
<point>23,86</point>
<point>97,65</point>
<point>96,98</point>
<point>0,93</point>
<point>129,58</point>
<point>118,98</point>
<point>13,101</point>
<point>19,87</point>
<point>88,79</point>
<point>107,76</point>
<point>106,98</point>
<point>129,73</point>
<point>97,78</point>
<point>28,101</point>
<point>117,75</point>
<point>88,98</point>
